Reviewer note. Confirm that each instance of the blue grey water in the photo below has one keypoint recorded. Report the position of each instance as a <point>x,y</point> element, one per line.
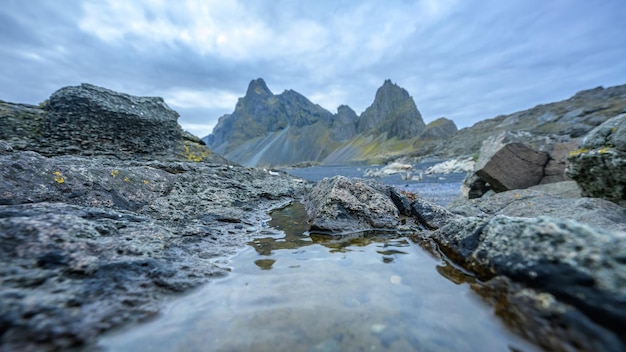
<point>438,188</point>
<point>304,292</point>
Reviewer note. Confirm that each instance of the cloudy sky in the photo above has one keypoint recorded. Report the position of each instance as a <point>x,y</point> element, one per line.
<point>463,59</point>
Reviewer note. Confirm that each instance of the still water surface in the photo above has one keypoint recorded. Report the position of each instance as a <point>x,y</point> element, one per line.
<point>302,292</point>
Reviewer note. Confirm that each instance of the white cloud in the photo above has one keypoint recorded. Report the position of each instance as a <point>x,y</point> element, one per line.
<point>207,99</point>
<point>197,129</point>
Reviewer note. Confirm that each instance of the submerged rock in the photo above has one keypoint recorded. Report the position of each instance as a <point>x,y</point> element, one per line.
<point>340,204</point>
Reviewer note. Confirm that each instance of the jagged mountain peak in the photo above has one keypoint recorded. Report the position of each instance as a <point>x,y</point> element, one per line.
<point>257,87</point>
<point>393,112</point>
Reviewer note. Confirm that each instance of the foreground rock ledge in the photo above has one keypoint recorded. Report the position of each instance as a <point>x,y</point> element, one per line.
<point>89,244</point>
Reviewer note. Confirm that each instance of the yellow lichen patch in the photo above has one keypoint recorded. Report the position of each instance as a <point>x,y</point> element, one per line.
<point>145,182</point>
<point>126,179</point>
<point>578,151</point>
<point>115,172</point>
<point>604,150</point>
<point>195,153</point>
<point>58,177</point>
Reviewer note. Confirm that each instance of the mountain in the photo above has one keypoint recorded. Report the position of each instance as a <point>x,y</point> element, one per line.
<point>569,119</point>
<point>268,129</point>
<point>393,112</point>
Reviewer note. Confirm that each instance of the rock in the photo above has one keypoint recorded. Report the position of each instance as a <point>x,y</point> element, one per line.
<point>400,201</point>
<point>93,118</point>
<point>580,265</point>
<point>393,113</point>
<point>431,216</point>
<point>599,166</point>
<point>513,166</point>
<point>554,170</point>
<point>542,319</point>
<point>344,123</point>
<point>566,189</point>
<point>532,203</point>
<point>390,169</point>
<point>474,186</point>
<point>439,129</point>
<point>90,243</point>
<point>339,204</point>
<point>457,165</point>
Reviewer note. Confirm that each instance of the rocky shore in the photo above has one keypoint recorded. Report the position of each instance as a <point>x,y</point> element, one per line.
<point>107,208</point>
<point>95,232</point>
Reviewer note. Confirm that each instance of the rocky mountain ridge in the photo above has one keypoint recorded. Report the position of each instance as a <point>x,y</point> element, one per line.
<point>261,132</point>
<point>283,129</point>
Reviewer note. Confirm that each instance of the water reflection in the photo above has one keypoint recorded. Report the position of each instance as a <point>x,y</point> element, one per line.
<point>308,292</point>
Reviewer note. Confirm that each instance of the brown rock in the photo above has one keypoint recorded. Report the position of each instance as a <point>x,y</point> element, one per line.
<point>513,166</point>
<point>555,169</point>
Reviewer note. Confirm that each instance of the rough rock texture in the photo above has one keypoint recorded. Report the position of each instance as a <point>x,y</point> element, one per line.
<point>340,204</point>
<point>110,121</point>
<point>89,120</point>
<point>531,203</point>
<point>89,243</point>
<point>599,166</point>
<point>578,264</point>
<point>551,324</point>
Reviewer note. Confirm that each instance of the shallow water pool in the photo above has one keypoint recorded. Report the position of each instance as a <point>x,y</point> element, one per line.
<point>314,293</point>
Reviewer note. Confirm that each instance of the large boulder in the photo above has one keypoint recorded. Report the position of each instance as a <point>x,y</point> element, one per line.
<point>580,265</point>
<point>513,166</point>
<point>340,204</point>
<point>89,118</point>
<point>599,166</point>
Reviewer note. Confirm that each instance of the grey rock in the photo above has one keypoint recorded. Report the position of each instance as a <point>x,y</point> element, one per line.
<point>340,204</point>
<point>474,187</point>
<point>88,244</point>
<point>438,129</point>
<point>580,265</point>
<point>513,166</point>
<point>96,118</point>
<point>431,216</point>
<point>344,123</point>
<point>566,189</point>
<point>599,166</point>
<point>532,203</point>
<point>542,319</point>
<point>393,112</point>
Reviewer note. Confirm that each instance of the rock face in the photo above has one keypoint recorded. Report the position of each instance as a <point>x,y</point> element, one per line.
<point>89,120</point>
<point>111,121</point>
<point>439,129</point>
<point>267,129</point>
<point>285,129</point>
<point>599,166</point>
<point>549,254</point>
<point>568,119</point>
<point>393,112</point>
<point>90,243</point>
<point>340,204</point>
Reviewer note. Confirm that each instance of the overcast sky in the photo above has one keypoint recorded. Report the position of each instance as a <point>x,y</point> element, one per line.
<point>467,60</point>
